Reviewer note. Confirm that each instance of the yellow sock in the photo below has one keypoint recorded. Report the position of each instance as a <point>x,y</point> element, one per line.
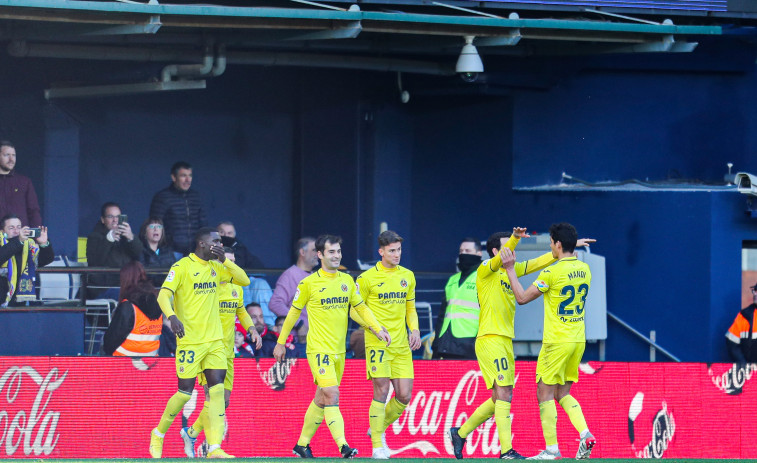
<point>216,415</point>
<point>200,422</point>
<point>576,415</point>
<point>477,418</point>
<point>393,411</point>
<point>173,408</point>
<point>376,416</point>
<point>504,426</point>
<point>335,422</point>
<point>313,419</point>
<point>548,415</point>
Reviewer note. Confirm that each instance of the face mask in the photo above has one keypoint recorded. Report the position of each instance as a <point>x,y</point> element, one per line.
<point>466,261</point>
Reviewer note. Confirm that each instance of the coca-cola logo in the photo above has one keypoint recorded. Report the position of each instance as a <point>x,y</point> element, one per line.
<point>432,413</point>
<point>663,429</point>
<point>34,429</point>
<point>276,376</point>
<point>732,381</point>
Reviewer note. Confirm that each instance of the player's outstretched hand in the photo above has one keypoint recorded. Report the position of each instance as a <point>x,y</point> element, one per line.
<point>176,326</point>
<point>584,242</point>
<point>279,352</point>
<point>414,340</point>
<point>520,232</point>
<point>384,336</point>
<point>508,257</point>
<point>255,338</point>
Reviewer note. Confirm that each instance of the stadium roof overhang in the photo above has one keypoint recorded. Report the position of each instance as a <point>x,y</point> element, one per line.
<point>415,37</point>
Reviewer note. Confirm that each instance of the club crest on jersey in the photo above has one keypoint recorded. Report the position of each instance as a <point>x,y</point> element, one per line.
<point>170,276</point>
<point>542,285</point>
<point>181,369</point>
<point>212,273</point>
<point>501,377</point>
<point>403,283</point>
<point>374,369</point>
<point>322,371</point>
<point>344,288</point>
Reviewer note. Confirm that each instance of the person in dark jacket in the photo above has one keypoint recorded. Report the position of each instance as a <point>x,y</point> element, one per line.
<point>111,244</point>
<point>741,337</point>
<point>20,256</point>
<point>137,296</point>
<point>244,258</point>
<point>180,208</point>
<point>156,250</point>
<point>269,337</point>
<point>17,195</point>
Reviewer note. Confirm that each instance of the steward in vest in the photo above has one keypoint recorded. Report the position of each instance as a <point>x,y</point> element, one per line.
<point>741,337</point>
<point>136,325</point>
<point>457,324</point>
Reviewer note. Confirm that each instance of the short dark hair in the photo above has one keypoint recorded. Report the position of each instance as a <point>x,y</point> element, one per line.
<point>495,241</point>
<point>280,318</point>
<point>301,244</point>
<point>203,232</point>
<point>388,237</point>
<point>180,165</point>
<point>253,304</point>
<point>566,234</point>
<point>320,242</point>
<point>225,222</point>
<point>106,206</point>
<point>8,217</point>
<point>470,239</point>
<point>7,143</point>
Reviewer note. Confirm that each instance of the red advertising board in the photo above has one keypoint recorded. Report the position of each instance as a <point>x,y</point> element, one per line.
<point>72,407</point>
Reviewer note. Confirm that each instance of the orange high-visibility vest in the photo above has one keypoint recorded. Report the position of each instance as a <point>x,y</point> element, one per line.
<point>144,338</point>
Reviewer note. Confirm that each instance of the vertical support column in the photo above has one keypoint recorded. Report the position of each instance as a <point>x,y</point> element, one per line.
<point>652,350</point>
<point>61,176</point>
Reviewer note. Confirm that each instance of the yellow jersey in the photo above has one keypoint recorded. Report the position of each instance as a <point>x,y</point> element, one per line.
<point>390,294</point>
<point>495,296</point>
<point>194,284</point>
<point>231,307</point>
<point>328,297</point>
<point>565,286</point>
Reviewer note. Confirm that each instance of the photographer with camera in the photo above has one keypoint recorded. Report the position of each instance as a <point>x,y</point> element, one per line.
<point>111,244</point>
<point>23,250</point>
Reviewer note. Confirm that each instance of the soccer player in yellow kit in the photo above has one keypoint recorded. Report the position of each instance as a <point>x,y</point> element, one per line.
<point>328,295</point>
<point>230,307</point>
<point>389,291</point>
<point>193,282</point>
<point>565,286</point>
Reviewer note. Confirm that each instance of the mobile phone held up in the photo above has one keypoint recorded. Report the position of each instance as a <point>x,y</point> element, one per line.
<point>122,218</point>
<point>34,232</point>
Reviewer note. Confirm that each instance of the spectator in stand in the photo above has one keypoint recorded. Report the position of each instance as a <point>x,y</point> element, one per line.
<point>241,347</point>
<point>180,208</point>
<point>20,256</point>
<point>245,258</point>
<point>457,324</point>
<point>17,195</point>
<point>741,337</point>
<point>111,244</point>
<point>156,251</point>
<point>137,322</point>
<point>268,336</point>
<point>286,285</point>
<point>289,344</point>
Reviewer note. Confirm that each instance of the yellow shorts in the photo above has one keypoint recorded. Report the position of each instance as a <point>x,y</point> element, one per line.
<point>193,359</point>
<point>228,381</point>
<point>558,362</point>
<point>327,369</point>
<point>496,360</point>
<point>388,362</point>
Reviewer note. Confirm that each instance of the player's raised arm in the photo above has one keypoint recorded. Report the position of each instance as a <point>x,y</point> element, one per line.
<point>411,318</point>
<point>523,297</point>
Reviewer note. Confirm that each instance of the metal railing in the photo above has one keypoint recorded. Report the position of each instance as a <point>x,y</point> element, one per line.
<point>652,342</point>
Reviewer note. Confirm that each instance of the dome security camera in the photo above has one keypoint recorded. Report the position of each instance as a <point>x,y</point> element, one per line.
<point>469,64</point>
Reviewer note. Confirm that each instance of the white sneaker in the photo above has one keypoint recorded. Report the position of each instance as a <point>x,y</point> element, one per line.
<point>584,447</point>
<point>189,442</point>
<point>380,454</point>
<point>546,455</point>
<point>383,441</point>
